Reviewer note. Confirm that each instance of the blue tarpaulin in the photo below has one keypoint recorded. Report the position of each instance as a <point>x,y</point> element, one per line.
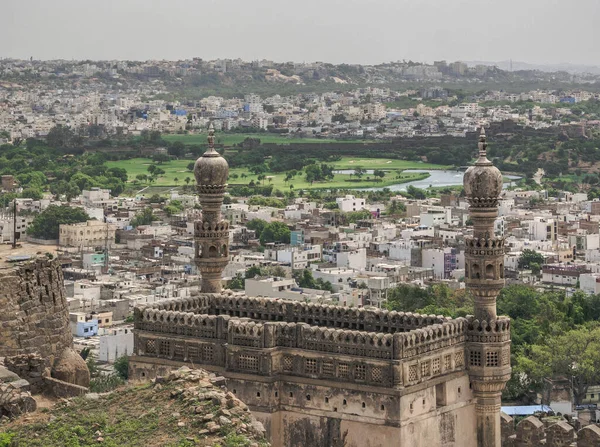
<point>526,410</point>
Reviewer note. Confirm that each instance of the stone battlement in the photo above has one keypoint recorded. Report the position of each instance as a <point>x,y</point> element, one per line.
<point>247,335</point>
<point>533,432</point>
<point>269,309</point>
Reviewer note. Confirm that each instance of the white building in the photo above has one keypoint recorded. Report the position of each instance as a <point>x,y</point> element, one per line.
<point>350,203</point>
<point>115,343</point>
<point>297,257</point>
<point>543,229</point>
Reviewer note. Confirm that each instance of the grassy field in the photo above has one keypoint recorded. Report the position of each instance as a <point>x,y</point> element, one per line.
<point>229,139</point>
<point>383,163</point>
<point>177,169</point>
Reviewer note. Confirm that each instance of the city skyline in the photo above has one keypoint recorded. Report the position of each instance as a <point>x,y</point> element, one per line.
<point>319,31</point>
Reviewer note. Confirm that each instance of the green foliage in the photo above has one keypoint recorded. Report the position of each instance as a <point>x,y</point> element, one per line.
<point>237,282</point>
<point>275,232</point>
<point>355,216</point>
<point>318,173</point>
<point>529,258</point>
<point>574,354</point>
<point>104,383</point>
<point>145,217</point>
<point>438,299</point>
<point>305,278</point>
<point>266,201</point>
<point>6,439</point>
<point>413,192</point>
<point>46,224</point>
<point>253,271</point>
<point>121,366</point>
<point>258,225</point>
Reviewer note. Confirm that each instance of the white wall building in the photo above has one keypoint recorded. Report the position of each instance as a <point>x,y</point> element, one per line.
<point>115,343</point>
<point>350,203</point>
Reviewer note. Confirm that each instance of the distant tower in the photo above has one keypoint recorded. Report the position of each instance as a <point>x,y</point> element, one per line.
<point>489,339</point>
<point>211,233</point>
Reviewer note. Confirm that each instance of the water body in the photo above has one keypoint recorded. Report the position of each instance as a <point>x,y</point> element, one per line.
<point>436,179</point>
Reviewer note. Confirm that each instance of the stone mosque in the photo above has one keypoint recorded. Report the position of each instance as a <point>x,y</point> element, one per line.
<point>323,375</point>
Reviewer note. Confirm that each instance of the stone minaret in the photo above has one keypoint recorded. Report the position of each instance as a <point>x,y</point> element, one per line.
<point>211,233</point>
<point>489,336</point>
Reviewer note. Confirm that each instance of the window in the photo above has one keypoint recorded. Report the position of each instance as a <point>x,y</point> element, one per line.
<point>475,358</point>
<point>440,395</point>
<point>360,373</point>
<point>310,366</point>
<point>491,358</point>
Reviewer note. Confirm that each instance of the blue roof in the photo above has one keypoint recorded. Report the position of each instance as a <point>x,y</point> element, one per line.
<point>526,410</point>
<point>18,258</point>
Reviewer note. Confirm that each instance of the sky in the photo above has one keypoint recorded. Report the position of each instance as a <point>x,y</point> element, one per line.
<point>336,31</point>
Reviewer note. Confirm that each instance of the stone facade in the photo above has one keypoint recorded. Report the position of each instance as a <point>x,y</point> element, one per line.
<point>319,375</point>
<point>532,432</point>
<point>313,372</point>
<point>35,320</point>
<point>211,232</point>
<point>489,355</point>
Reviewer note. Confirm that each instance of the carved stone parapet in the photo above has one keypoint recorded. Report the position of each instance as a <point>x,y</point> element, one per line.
<point>211,189</point>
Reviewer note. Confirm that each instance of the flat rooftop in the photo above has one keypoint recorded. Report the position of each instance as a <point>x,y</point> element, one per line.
<point>25,251</point>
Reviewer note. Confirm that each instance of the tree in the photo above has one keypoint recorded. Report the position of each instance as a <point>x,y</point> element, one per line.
<point>379,173</point>
<point>529,257</point>
<point>62,137</point>
<point>142,177</point>
<point>32,193</point>
<point>253,271</point>
<point>187,180</point>
<point>574,355</point>
<point>176,180</point>
<point>190,166</point>
<point>144,217</point>
<point>258,225</point>
<point>121,366</point>
<point>275,232</point>
<point>46,224</point>
<point>237,282</point>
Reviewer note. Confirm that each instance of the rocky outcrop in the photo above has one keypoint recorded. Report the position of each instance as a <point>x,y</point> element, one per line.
<point>15,399</point>
<point>185,407</point>
<point>201,388</point>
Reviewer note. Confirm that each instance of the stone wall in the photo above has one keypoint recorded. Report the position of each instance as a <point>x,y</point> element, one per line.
<point>35,315</point>
<point>30,367</point>
<point>268,309</point>
<point>533,432</point>
<point>34,323</point>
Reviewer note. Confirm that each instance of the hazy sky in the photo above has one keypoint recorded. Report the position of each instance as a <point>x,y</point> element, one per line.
<point>353,31</point>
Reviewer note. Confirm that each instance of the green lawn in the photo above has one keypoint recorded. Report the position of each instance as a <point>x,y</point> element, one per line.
<point>229,139</point>
<point>383,163</point>
<point>178,169</point>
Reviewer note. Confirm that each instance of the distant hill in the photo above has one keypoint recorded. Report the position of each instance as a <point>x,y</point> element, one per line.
<point>548,68</point>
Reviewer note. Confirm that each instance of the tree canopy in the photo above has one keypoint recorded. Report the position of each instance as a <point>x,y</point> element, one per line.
<point>46,224</point>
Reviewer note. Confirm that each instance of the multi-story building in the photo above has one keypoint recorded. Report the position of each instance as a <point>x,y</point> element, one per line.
<point>88,234</point>
<point>350,203</point>
<point>320,375</point>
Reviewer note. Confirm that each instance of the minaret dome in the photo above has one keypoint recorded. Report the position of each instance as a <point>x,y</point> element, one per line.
<point>211,170</point>
<point>483,181</point>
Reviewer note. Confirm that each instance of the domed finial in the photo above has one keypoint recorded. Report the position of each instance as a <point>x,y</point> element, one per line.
<point>211,137</point>
<point>482,143</point>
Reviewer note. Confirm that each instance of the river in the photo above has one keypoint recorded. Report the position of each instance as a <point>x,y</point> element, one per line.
<point>436,179</point>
